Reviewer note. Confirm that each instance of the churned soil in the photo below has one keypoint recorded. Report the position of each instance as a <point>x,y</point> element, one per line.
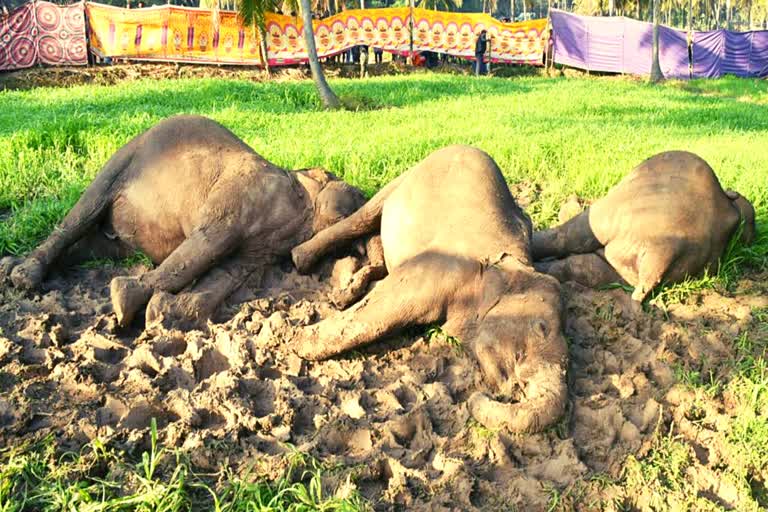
<point>393,416</point>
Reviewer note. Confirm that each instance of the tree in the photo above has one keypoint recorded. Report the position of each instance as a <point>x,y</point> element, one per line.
<point>656,74</point>
<point>327,96</point>
<point>252,13</point>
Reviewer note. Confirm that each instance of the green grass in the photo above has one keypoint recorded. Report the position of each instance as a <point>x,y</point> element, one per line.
<point>566,136</point>
<point>34,477</point>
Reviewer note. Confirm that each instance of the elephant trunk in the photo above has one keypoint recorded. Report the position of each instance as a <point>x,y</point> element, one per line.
<point>544,403</point>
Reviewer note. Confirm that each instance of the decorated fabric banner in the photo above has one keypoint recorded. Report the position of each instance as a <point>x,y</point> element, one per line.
<point>171,33</point>
<point>456,33</point>
<point>61,34</point>
<point>17,39</point>
<point>378,28</point>
<point>42,33</point>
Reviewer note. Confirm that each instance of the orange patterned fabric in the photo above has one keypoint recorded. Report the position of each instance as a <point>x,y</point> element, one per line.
<point>455,34</point>
<point>189,35</point>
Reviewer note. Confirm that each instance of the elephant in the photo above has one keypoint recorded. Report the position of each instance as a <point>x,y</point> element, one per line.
<point>668,219</point>
<point>205,208</point>
<point>456,248</point>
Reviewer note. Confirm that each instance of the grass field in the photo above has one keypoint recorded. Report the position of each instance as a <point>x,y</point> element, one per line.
<point>558,136</point>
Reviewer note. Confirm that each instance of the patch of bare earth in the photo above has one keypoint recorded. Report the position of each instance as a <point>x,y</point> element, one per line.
<point>394,416</point>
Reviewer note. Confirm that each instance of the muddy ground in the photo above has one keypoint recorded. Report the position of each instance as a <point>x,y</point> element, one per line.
<point>394,416</point>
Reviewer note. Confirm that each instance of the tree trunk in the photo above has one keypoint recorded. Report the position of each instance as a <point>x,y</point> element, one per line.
<point>327,97</point>
<point>690,16</point>
<point>638,10</point>
<point>717,14</point>
<point>512,9</point>
<point>263,49</point>
<point>656,75</point>
<point>610,7</point>
<point>728,14</point>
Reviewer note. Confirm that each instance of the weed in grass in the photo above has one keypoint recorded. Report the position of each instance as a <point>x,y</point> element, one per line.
<point>138,258</point>
<point>435,333</point>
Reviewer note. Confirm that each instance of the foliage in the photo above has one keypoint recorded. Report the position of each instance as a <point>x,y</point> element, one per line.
<point>99,479</point>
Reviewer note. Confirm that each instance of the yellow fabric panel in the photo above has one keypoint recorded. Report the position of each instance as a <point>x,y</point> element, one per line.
<point>188,34</point>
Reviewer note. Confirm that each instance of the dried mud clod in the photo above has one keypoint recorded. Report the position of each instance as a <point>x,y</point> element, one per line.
<point>394,417</point>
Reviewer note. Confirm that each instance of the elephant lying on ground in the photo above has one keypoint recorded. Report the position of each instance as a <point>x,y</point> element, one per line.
<point>456,247</point>
<point>666,220</point>
<point>202,205</point>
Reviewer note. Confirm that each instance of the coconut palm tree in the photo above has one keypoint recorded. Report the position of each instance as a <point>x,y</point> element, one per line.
<point>253,14</point>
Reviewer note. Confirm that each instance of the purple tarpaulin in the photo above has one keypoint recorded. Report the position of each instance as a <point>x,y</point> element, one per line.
<point>673,53</point>
<point>708,50</point>
<point>623,45</point>
<point>569,33</point>
<point>616,44</point>
<point>758,61</point>
<point>721,52</point>
<point>738,46</point>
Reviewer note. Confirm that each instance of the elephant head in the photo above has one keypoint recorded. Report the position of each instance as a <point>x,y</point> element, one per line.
<point>332,198</point>
<point>520,349</point>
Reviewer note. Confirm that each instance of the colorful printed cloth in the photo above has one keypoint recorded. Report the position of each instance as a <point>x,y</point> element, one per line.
<point>43,33</point>
<point>171,33</point>
<point>190,35</point>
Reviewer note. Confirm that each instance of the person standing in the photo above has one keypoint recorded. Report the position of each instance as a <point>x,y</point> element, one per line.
<point>378,55</point>
<point>481,45</point>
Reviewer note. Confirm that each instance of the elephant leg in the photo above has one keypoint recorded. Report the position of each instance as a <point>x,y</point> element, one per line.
<point>407,296</point>
<point>573,237</point>
<point>652,267</point>
<point>587,269</point>
<point>93,246</point>
<point>375,269</point>
<point>81,219</point>
<point>364,221</point>
<point>194,256</point>
<point>194,307</point>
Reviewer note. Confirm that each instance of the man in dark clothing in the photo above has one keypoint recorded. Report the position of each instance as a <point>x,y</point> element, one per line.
<point>378,54</point>
<point>480,48</point>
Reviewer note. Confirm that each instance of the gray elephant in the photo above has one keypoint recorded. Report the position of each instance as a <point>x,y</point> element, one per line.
<point>666,220</point>
<point>206,208</point>
<point>456,248</point>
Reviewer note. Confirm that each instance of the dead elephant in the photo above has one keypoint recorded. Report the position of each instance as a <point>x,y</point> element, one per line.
<point>202,205</point>
<point>456,247</point>
<point>667,219</point>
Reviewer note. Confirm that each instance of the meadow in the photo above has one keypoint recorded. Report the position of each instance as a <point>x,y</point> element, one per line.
<point>552,138</point>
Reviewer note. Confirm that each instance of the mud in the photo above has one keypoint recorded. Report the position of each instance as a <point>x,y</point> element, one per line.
<point>392,416</point>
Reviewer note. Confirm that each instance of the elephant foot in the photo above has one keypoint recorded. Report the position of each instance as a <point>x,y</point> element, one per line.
<point>28,274</point>
<point>302,258</point>
<point>7,265</point>
<point>306,345</point>
<point>183,311</point>
<point>342,298</point>
<point>128,295</point>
